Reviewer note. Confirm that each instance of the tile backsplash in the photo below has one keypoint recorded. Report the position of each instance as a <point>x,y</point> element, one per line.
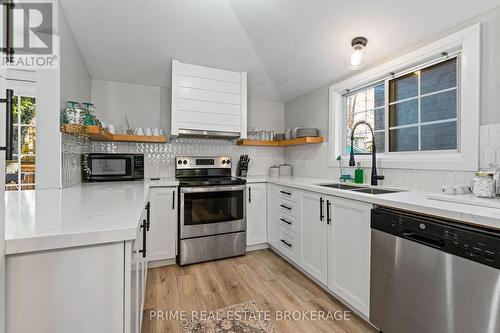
<point>160,158</point>
<point>312,161</point>
<point>308,161</point>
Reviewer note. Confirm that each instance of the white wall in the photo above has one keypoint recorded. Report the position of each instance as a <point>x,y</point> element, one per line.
<point>150,106</point>
<point>311,110</point>
<point>71,81</point>
<point>144,106</point>
<point>75,76</point>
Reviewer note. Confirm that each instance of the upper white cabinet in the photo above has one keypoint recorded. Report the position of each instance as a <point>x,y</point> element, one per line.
<point>349,252</point>
<point>208,99</point>
<point>256,214</point>
<point>163,236</point>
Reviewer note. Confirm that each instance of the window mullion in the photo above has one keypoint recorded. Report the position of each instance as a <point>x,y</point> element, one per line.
<point>386,115</point>
<point>419,77</point>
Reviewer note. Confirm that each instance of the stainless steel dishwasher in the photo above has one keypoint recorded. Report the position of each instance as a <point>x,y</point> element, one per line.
<point>433,275</point>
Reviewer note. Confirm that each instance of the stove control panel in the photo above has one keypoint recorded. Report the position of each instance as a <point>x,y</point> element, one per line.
<point>203,162</point>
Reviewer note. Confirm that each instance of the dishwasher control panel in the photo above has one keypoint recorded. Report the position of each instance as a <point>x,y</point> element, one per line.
<point>473,243</point>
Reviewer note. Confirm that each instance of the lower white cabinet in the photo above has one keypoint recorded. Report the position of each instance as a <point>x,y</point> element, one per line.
<point>273,215</point>
<point>256,214</point>
<point>313,235</point>
<point>349,238</point>
<point>162,242</point>
<point>328,237</point>
<point>94,288</point>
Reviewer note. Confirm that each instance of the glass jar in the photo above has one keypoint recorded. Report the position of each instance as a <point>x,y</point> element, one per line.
<point>89,114</point>
<point>484,185</point>
<point>70,114</point>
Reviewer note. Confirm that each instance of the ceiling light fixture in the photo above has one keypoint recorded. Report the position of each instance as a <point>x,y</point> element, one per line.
<point>358,44</point>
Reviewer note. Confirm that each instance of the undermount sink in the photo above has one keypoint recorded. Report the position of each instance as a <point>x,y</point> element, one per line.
<point>344,186</point>
<point>372,190</point>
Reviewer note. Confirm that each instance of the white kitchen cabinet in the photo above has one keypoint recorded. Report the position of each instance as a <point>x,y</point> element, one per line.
<point>273,215</point>
<point>163,230</point>
<point>256,214</point>
<point>208,99</point>
<point>94,288</point>
<point>313,234</point>
<point>349,252</point>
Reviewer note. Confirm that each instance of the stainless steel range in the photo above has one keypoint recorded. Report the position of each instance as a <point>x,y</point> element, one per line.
<point>212,214</point>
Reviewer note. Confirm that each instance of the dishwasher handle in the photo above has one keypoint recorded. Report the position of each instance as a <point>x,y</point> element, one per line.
<point>423,239</point>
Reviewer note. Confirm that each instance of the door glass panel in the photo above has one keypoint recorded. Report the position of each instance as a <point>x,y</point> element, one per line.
<point>213,207</point>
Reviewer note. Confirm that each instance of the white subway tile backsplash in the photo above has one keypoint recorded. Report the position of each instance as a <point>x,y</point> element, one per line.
<point>424,180</point>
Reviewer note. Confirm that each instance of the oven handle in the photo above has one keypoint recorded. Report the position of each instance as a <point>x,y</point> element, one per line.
<point>203,189</point>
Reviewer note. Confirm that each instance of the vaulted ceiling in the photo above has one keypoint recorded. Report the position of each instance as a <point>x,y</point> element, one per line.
<point>288,47</point>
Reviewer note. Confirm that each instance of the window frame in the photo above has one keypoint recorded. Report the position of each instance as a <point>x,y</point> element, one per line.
<point>21,89</point>
<point>465,44</point>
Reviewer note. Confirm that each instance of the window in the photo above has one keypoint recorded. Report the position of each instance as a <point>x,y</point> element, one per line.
<point>420,112</point>
<point>423,106</point>
<point>20,172</point>
<point>367,105</point>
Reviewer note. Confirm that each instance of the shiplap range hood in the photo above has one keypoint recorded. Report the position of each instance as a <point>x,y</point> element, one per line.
<point>208,102</point>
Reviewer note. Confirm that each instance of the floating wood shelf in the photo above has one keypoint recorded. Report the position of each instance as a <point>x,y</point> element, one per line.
<point>95,133</point>
<point>282,143</point>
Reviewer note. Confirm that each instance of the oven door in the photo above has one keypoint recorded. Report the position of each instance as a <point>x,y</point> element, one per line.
<point>213,210</point>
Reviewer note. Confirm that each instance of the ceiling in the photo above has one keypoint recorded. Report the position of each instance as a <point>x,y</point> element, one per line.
<point>288,47</point>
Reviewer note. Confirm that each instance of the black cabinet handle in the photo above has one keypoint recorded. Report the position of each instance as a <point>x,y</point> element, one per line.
<point>144,238</point>
<point>328,215</point>
<point>9,31</point>
<point>173,199</point>
<point>286,243</point>
<point>9,121</point>
<point>285,192</point>
<point>321,215</point>
<point>249,194</point>
<point>148,213</point>
<point>286,207</point>
<point>287,222</point>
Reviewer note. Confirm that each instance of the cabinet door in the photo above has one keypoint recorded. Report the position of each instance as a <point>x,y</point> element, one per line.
<point>349,252</point>
<point>313,235</point>
<point>162,238</point>
<point>272,215</point>
<point>256,214</point>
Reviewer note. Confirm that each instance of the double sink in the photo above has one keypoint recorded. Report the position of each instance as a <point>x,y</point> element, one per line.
<point>362,189</point>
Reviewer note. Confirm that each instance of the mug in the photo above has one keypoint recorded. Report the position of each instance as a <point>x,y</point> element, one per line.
<point>139,131</point>
<point>156,132</point>
<point>148,132</point>
<point>462,189</point>
<point>448,189</point>
<point>111,128</point>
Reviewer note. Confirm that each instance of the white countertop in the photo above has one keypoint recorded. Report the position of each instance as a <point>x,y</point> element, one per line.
<point>98,213</point>
<point>415,201</point>
<point>85,214</point>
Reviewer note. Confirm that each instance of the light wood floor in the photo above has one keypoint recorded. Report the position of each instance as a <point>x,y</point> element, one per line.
<point>260,275</point>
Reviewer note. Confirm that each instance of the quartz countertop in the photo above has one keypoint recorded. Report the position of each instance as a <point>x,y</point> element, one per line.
<point>415,201</point>
<point>97,213</point>
<point>79,215</point>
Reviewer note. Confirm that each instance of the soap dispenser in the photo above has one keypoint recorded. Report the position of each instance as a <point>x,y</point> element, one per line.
<point>359,174</point>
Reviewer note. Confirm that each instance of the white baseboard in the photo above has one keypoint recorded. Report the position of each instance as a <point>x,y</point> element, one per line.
<point>160,263</point>
<point>257,247</point>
